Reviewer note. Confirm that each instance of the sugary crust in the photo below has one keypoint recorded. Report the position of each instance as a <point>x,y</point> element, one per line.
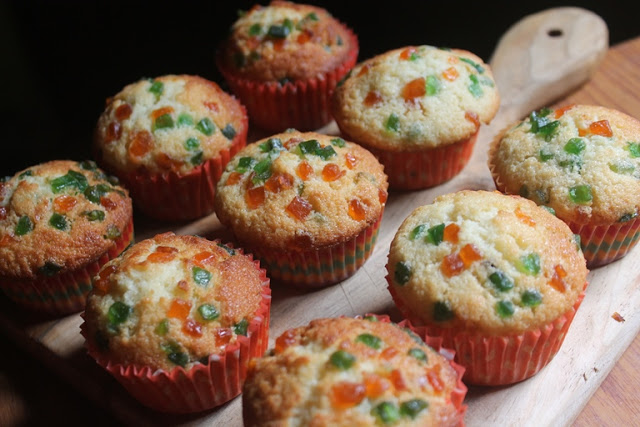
<point>328,221</point>
<point>165,296</point>
<point>157,125</point>
<point>508,233</point>
<point>57,234</point>
<point>296,384</point>
<point>456,94</point>
<point>315,43</point>
<point>607,164</point>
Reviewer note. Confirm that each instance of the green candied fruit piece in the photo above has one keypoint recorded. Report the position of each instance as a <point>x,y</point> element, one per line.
<point>272,145</point>
<point>156,88</point>
<point>197,159</point>
<point>529,264</point>
<point>280,31</point>
<point>49,269</point>
<point>344,79</point>
<point>633,148</point>
<point>628,217</point>
<point>501,281</point>
<point>578,241</point>
<point>311,16</point>
<point>418,353</point>
<point>545,154</point>
<point>244,164</point>
<point>392,123</point>
<point>184,120</point>
<point>72,179</point>
<point>201,276</point>
<point>94,193</point>
<point>442,311</point>
<point>206,126</point>
<point>26,174</point>
<point>325,153</point>
<point>435,234</point>
<point>163,327</point>
<point>623,168</point>
<point>411,408</point>
<point>524,191</point>
<point>229,131</point>
<point>175,354</point>
<point>283,81</point>
<point>580,194</point>
<point>575,146</point>
<point>479,68</point>
<point>531,298</point>
<point>308,147</point>
<point>338,142</point>
<point>415,337</point>
<point>417,232</point>
<point>342,360</point>
<point>262,170</point>
<point>370,341</point>
<point>191,144</point>
<point>432,85</point>
<point>549,209</point>
<point>505,308</point>
<point>474,87</point>
<point>118,313</point>
<point>402,273</point>
<point>208,312</point>
<point>112,232</point>
<point>371,318</point>
<point>240,328</point>
<point>542,125</point>
<point>23,226</point>
<point>58,221</point>
<point>88,165</point>
<point>386,412</point>
<point>165,121</point>
<point>96,215</point>
<point>255,30</point>
<point>229,250</point>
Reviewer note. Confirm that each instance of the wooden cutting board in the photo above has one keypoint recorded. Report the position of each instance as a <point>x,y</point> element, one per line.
<point>538,62</point>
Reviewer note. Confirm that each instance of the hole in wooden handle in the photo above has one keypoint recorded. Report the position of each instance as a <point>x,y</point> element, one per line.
<point>555,32</point>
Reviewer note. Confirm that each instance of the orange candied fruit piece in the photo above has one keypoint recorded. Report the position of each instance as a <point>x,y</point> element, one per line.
<point>375,385</point>
<point>107,203</point>
<point>304,170</point>
<point>234,178</point>
<point>382,196</point>
<point>165,162</point>
<point>557,280</point>
<point>304,37</point>
<point>179,309</point>
<point>357,210</point>
<point>450,233</point>
<point>468,254</point>
<point>162,254</point>
<point>212,106</point>
<point>161,112</point>
<point>223,336</point>
<point>524,217</point>
<point>193,328</point>
<point>346,394</point>
<point>6,240</point>
<point>292,142</point>
<point>416,88</point>
<point>332,172</point>
<point>472,117</point>
<point>434,379</point>
<point>202,258</point>
<point>285,340</point>
<point>450,74</point>
<point>350,160</point>
<point>114,131</point>
<point>398,380</point>
<point>183,285</point>
<point>372,98</point>
<point>406,54</point>
<point>560,111</point>
<point>254,197</point>
<point>61,204</point>
<point>453,60</point>
<point>601,127</point>
<point>101,285</point>
<point>278,45</point>
<point>141,144</point>
<point>364,70</point>
<point>123,112</point>
<point>299,208</point>
<point>389,353</point>
<point>452,265</point>
<point>278,182</point>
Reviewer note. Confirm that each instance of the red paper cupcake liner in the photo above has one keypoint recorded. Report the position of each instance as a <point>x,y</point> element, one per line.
<point>301,104</point>
<point>201,387</point>
<point>64,293</point>
<point>460,391</point>
<point>497,360</point>
<point>415,170</point>
<point>170,196</point>
<point>601,243</point>
<point>320,267</point>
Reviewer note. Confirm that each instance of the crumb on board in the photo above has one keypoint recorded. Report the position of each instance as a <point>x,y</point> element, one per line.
<point>617,317</point>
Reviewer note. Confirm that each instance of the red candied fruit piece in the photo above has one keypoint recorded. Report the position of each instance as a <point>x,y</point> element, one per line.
<point>279,182</point>
<point>161,112</point>
<point>560,111</point>
<point>61,204</point>
<point>416,88</point>
<point>472,117</point>
<point>372,98</point>
<point>114,131</point>
<point>234,178</point>
<point>357,210</point>
<point>332,172</point>
<point>557,280</point>
<point>468,254</point>
<point>364,70</point>
<point>375,385</point>
<point>107,203</point>
<point>101,285</point>
<point>398,380</point>
<point>162,254</point>
<point>141,144</point>
<point>452,265</point>
<point>601,127</point>
<point>223,336</point>
<point>350,160</point>
<point>304,170</point>
<point>123,112</point>
<point>254,197</point>
<point>193,328</point>
<point>406,54</point>
<point>179,309</point>
<point>299,208</point>
<point>202,258</point>
<point>285,340</point>
<point>346,394</point>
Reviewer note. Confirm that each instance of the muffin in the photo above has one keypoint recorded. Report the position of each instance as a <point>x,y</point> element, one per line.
<point>284,60</point>
<point>307,205</point>
<point>348,372</point>
<point>582,161</point>
<point>60,221</point>
<point>497,277</point>
<point>418,109</point>
<point>168,139</point>
<point>176,319</point>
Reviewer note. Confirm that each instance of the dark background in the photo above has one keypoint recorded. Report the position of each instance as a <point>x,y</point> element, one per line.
<point>59,60</point>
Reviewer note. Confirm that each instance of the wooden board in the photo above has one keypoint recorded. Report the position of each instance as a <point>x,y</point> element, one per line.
<point>532,69</point>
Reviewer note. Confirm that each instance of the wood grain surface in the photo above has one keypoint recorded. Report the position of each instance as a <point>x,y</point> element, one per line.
<point>595,342</point>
